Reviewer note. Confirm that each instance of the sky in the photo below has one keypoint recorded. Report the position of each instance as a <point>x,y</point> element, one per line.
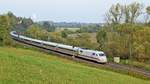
<point>86,11</point>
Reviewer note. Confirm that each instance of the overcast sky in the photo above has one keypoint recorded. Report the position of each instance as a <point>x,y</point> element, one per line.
<point>62,10</point>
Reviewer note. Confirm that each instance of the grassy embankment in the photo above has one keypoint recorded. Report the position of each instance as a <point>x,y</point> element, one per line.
<point>19,66</point>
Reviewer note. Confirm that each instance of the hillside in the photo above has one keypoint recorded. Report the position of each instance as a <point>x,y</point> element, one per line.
<point>21,66</point>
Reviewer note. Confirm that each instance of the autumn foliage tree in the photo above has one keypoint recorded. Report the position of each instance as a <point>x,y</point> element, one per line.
<point>36,32</point>
<point>5,28</point>
<point>124,13</point>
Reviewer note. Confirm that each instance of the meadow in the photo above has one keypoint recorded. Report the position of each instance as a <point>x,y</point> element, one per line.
<point>22,66</point>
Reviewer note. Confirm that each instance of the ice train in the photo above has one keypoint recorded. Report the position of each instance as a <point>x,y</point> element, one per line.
<point>93,55</point>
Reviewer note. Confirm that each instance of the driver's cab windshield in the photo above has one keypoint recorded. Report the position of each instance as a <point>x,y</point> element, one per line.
<point>101,54</point>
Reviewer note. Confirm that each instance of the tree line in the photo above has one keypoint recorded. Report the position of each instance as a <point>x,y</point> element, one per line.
<point>10,22</point>
<point>123,35</point>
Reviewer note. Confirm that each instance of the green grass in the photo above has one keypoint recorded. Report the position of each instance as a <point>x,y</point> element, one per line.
<point>21,66</point>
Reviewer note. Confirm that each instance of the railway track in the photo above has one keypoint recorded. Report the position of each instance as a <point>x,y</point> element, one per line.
<point>133,71</point>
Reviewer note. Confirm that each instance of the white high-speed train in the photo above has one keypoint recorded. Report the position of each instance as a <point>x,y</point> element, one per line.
<point>97,56</point>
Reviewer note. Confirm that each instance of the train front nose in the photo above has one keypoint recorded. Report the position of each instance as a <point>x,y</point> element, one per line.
<point>103,59</point>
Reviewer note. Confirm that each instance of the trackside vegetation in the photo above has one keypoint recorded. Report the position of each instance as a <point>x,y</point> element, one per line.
<point>21,66</point>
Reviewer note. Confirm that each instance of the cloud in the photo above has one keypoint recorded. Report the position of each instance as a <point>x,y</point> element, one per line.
<point>34,16</point>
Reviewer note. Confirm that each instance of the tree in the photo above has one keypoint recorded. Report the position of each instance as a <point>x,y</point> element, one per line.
<point>127,14</point>
<point>78,41</point>
<point>49,26</point>
<point>56,37</point>
<point>101,38</point>
<point>124,13</point>
<point>13,19</point>
<point>5,30</point>
<point>141,44</point>
<point>148,14</point>
<point>115,14</point>
<point>35,31</point>
<point>64,33</point>
<point>132,12</point>
<point>148,10</point>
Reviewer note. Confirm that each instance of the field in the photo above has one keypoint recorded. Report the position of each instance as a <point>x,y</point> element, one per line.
<point>22,66</point>
<point>71,29</point>
<point>92,36</point>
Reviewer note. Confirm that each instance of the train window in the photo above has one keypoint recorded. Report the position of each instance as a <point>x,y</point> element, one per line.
<point>81,51</point>
<point>101,54</point>
<point>93,53</point>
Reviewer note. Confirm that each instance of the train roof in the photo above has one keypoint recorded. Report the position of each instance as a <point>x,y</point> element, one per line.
<point>92,50</point>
